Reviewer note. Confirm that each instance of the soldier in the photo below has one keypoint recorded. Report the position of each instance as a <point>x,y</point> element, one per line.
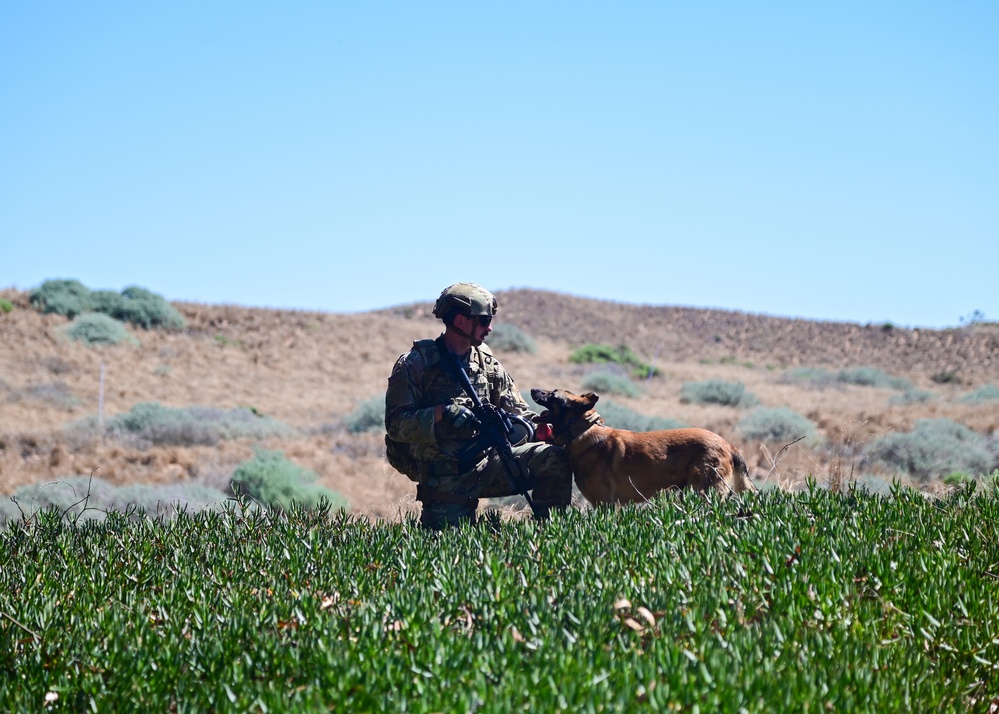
<point>427,410</point>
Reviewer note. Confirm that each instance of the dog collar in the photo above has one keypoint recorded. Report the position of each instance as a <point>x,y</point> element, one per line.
<point>574,428</point>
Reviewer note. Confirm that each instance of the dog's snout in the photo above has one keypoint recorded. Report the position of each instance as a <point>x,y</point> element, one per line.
<point>540,395</point>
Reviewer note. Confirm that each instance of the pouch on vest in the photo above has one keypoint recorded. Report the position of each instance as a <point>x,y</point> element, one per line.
<point>400,457</point>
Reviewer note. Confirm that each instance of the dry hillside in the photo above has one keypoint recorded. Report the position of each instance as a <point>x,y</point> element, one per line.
<point>310,369</point>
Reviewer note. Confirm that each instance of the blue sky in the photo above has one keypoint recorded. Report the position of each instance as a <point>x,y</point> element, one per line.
<point>834,161</point>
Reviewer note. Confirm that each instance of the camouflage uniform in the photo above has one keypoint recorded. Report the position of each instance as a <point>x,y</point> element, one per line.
<point>420,381</point>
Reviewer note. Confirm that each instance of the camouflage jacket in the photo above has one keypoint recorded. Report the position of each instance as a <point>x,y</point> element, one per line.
<point>419,382</point>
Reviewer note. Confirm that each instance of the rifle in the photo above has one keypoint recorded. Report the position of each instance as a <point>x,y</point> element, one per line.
<point>495,430</point>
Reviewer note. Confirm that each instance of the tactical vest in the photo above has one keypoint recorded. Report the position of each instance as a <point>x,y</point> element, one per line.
<point>438,387</point>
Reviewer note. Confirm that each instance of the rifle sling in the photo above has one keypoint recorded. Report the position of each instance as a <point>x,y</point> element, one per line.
<point>454,368</point>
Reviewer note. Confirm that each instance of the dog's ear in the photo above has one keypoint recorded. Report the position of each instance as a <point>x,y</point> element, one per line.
<point>591,399</point>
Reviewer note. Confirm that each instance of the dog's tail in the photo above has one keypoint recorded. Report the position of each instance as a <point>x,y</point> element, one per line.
<point>740,472</point>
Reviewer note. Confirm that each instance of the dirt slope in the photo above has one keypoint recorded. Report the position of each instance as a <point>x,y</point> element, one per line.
<point>310,369</point>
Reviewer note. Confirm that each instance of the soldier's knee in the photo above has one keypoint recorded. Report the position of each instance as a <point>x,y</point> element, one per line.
<point>552,461</point>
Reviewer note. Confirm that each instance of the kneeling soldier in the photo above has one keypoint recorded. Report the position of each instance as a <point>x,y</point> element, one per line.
<point>428,410</point>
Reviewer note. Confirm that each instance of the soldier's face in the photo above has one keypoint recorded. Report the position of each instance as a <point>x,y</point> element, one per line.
<point>478,327</point>
<point>483,325</point>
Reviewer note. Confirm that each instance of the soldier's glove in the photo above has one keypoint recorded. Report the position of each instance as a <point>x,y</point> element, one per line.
<point>458,422</point>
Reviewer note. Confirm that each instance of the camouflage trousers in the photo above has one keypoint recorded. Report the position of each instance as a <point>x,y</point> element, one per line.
<point>550,483</point>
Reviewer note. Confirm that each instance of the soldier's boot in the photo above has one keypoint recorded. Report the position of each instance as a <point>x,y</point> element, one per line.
<point>443,507</point>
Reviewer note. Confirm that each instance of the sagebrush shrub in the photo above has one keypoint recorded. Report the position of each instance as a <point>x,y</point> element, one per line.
<point>858,376</point>
<point>94,328</point>
<point>986,393</point>
<point>6,305</point>
<point>367,416</point>
<point>73,494</point>
<point>169,499</point>
<point>189,426</point>
<point>106,301</point>
<point>146,309</point>
<point>604,382</point>
<point>137,306</point>
<point>933,449</point>
<point>58,394</point>
<point>597,353</point>
<point>69,495</point>
<point>621,417</point>
<point>912,396</point>
<point>63,297</point>
<point>134,304</point>
<point>717,391</point>
<point>776,425</point>
<point>812,375</point>
<point>274,481</point>
<point>622,354</point>
<point>510,338</point>
<point>872,377</point>
<point>957,479</point>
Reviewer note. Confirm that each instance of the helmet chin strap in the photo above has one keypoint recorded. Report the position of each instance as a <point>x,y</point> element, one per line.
<point>470,336</point>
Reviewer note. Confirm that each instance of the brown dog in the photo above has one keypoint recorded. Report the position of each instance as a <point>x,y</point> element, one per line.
<point>619,466</point>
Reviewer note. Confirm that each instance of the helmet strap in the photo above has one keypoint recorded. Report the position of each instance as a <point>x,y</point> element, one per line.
<point>470,336</point>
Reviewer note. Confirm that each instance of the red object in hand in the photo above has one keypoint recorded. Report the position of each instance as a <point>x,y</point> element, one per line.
<point>543,432</point>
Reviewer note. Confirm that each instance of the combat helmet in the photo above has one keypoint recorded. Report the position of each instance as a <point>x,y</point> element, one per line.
<point>464,299</point>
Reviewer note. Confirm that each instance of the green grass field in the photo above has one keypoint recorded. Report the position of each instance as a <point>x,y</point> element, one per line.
<point>780,602</point>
